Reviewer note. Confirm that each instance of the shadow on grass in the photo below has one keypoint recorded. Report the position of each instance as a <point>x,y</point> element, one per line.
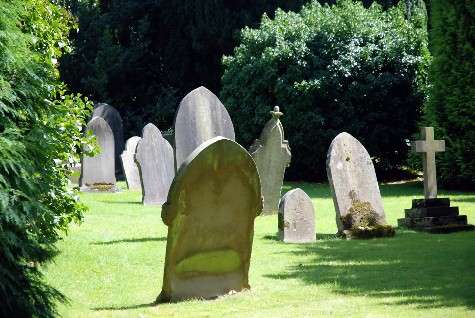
<point>424,270</point>
<point>152,304</point>
<point>470,199</point>
<point>120,202</point>
<point>136,240</point>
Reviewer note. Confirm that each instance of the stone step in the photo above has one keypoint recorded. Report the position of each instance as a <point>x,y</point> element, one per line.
<point>428,203</point>
<point>430,212</point>
<point>432,221</point>
<point>449,228</point>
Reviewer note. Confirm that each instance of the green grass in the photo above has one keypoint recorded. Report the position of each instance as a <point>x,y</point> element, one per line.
<point>112,266</point>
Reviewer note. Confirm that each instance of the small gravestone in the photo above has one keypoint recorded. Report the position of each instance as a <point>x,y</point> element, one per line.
<point>113,118</point>
<point>154,157</point>
<point>98,172</point>
<point>296,217</point>
<point>272,155</point>
<point>355,189</point>
<point>210,214</point>
<point>432,214</point>
<point>200,117</point>
<point>131,170</point>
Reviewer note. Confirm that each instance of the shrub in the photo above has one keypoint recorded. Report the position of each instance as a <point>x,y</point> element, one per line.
<point>331,69</point>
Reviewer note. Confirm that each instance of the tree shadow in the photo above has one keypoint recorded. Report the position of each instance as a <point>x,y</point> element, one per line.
<point>152,304</point>
<point>424,270</point>
<point>136,240</point>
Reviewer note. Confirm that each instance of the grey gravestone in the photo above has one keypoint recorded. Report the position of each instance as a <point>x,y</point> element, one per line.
<point>98,172</point>
<point>352,179</point>
<point>113,118</point>
<point>200,117</point>
<point>155,160</point>
<point>131,170</point>
<point>210,214</point>
<point>296,217</point>
<point>272,155</point>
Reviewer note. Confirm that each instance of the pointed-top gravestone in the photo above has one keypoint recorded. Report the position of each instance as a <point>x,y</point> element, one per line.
<point>200,117</point>
<point>131,170</point>
<point>154,157</point>
<point>296,217</point>
<point>353,180</point>
<point>210,214</point>
<point>113,118</point>
<point>272,155</point>
<point>98,172</point>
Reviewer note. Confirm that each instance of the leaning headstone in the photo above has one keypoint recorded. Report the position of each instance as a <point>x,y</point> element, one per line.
<point>272,155</point>
<point>113,118</point>
<point>200,117</point>
<point>155,160</point>
<point>432,214</point>
<point>355,189</point>
<point>98,172</point>
<point>210,214</point>
<point>131,169</point>
<point>296,217</point>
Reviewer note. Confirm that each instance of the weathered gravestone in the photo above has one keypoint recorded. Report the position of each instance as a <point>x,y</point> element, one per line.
<point>210,214</point>
<point>355,190</point>
<point>272,155</point>
<point>432,214</point>
<point>296,217</point>
<point>200,117</point>
<point>155,160</point>
<point>98,172</point>
<point>113,118</point>
<point>131,169</point>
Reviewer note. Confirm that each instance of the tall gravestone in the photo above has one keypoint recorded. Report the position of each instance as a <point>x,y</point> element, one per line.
<point>154,156</point>
<point>272,156</point>
<point>353,184</point>
<point>296,217</point>
<point>98,172</point>
<point>113,118</point>
<point>200,117</point>
<point>131,169</point>
<point>432,214</point>
<point>210,214</point>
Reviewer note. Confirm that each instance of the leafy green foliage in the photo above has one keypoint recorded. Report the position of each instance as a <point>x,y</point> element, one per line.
<point>451,107</point>
<point>40,131</point>
<point>331,69</point>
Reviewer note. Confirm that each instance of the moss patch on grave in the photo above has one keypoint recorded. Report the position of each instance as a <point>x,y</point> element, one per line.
<point>215,262</point>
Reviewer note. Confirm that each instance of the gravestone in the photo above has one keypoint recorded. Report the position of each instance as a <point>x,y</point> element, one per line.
<point>155,160</point>
<point>200,117</point>
<point>98,172</point>
<point>210,214</point>
<point>354,187</point>
<point>432,214</point>
<point>296,217</point>
<point>113,118</point>
<point>272,155</point>
<point>131,169</point>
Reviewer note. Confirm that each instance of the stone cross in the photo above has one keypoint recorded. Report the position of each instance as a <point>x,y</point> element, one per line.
<point>428,146</point>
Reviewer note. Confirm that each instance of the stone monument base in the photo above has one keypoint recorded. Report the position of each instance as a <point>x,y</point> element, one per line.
<point>102,187</point>
<point>434,216</point>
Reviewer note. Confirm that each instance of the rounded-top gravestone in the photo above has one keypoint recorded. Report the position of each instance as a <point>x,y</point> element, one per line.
<point>131,169</point>
<point>296,217</point>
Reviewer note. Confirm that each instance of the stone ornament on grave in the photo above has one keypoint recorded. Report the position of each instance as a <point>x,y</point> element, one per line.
<point>432,214</point>
<point>200,117</point>
<point>210,212</point>
<point>154,157</point>
<point>131,169</point>
<point>272,156</point>
<point>296,218</point>
<point>98,172</point>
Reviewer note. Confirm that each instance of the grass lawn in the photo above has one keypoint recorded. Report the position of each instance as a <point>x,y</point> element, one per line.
<point>112,266</point>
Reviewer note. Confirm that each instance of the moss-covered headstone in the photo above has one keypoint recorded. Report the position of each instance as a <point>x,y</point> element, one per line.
<point>210,214</point>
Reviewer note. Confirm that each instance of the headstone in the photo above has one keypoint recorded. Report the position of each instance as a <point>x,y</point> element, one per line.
<point>155,160</point>
<point>432,214</point>
<point>210,214</point>
<point>272,155</point>
<point>113,118</point>
<point>200,117</point>
<point>296,217</point>
<point>353,181</point>
<point>98,172</point>
<point>131,169</point>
